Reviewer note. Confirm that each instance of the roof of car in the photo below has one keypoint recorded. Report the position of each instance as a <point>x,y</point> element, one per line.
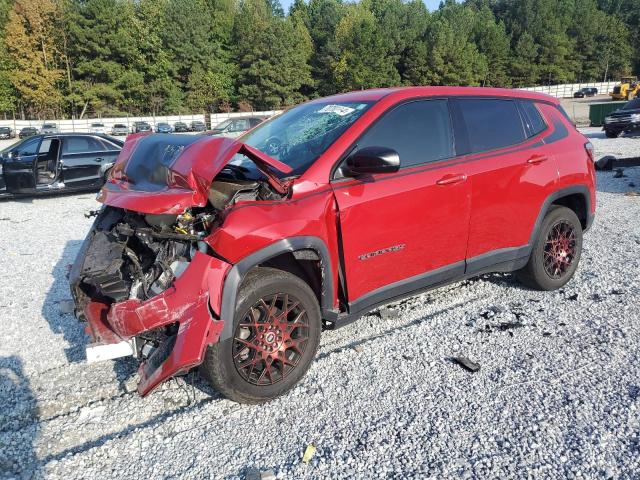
<point>409,92</point>
<point>81,134</point>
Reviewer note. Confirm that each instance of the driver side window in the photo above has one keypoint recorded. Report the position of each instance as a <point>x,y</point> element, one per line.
<point>28,148</point>
<point>420,131</point>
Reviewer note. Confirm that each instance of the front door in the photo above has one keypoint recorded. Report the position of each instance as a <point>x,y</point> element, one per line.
<point>406,230</point>
<point>19,166</point>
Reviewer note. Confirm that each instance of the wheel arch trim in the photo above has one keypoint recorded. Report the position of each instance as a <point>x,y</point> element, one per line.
<point>288,245</point>
<point>583,190</point>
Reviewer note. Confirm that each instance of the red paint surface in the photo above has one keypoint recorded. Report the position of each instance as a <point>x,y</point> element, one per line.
<point>436,225</point>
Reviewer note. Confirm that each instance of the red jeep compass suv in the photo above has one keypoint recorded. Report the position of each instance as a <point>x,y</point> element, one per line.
<point>232,255</point>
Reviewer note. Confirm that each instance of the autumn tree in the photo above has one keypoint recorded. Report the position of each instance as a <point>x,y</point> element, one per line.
<point>30,41</point>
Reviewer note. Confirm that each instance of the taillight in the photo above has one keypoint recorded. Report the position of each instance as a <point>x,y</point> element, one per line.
<point>590,150</point>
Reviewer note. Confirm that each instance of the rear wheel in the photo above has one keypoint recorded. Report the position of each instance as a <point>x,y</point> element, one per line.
<point>556,251</point>
<point>611,133</point>
<point>276,332</point>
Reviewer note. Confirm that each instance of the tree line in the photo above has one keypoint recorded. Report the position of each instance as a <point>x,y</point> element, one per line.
<point>116,57</point>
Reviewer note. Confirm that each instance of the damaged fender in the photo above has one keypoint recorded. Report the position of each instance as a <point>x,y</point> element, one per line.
<point>193,301</point>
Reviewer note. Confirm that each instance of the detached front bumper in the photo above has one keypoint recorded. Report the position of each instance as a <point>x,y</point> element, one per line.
<point>193,302</point>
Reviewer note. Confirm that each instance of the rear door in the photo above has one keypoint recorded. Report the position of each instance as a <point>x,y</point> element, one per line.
<point>82,159</point>
<point>405,230</point>
<point>511,172</point>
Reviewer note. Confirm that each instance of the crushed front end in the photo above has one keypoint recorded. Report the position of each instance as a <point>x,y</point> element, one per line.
<point>150,280</point>
<point>145,278</point>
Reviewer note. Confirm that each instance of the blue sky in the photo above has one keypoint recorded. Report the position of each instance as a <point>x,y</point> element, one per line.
<point>431,4</point>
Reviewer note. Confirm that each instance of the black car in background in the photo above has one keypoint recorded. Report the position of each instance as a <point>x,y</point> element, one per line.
<point>586,92</point>
<point>28,132</point>
<point>7,132</point>
<point>626,120</point>
<point>47,163</point>
<point>180,127</point>
<point>198,126</point>
<point>139,127</point>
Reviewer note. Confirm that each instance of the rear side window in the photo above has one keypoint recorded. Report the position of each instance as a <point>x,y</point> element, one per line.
<point>491,123</point>
<point>532,117</point>
<point>81,145</point>
<point>419,131</point>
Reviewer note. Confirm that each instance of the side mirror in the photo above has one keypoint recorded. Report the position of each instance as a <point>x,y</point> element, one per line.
<point>372,160</point>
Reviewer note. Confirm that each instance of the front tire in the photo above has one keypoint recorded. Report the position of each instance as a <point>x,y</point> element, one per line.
<point>556,252</point>
<point>276,332</point>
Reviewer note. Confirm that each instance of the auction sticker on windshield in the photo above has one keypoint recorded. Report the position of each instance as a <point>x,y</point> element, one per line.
<point>338,109</point>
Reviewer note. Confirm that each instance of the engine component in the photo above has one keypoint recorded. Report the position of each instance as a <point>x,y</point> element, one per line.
<point>103,268</point>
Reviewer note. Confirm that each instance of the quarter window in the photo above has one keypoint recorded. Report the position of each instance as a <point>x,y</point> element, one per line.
<point>419,131</point>
<point>532,117</point>
<point>491,123</point>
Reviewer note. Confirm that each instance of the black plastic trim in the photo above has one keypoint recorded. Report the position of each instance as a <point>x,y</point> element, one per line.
<point>502,260</point>
<point>240,269</point>
<point>406,288</point>
<point>581,189</point>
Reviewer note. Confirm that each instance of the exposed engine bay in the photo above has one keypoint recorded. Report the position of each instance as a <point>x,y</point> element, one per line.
<point>138,256</point>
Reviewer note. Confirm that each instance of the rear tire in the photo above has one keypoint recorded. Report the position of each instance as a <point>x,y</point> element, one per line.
<point>556,251</point>
<point>276,332</point>
<point>611,133</point>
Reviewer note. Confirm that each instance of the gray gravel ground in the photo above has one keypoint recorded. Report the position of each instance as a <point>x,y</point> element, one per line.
<point>557,394</point>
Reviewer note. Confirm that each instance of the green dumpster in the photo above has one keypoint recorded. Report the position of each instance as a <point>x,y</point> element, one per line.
<point>599,110</point>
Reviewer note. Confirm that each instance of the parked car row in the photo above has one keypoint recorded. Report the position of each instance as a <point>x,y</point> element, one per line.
<point>118,129</point>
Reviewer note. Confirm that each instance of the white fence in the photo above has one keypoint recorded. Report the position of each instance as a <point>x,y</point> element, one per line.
<point>216,118</point>
<point>566,90</point>
<point>84,124</point>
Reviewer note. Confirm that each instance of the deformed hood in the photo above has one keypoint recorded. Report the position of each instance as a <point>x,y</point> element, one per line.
<point>163,173</point>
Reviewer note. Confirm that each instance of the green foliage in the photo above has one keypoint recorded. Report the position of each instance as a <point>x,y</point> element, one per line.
<point>364,59</point>
<point>272,55</point>
<point>104,57</point>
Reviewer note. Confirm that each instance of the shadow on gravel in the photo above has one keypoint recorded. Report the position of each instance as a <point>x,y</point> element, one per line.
<point>623,181</point>
<point>53,310</point>
<point>190,406</point>
<point>61,321</point>
<point>18,421</point>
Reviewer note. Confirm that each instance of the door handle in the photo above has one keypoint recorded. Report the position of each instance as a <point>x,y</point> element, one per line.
<point>536,159</point>
<point>99,159</point>
<point>451,179</point>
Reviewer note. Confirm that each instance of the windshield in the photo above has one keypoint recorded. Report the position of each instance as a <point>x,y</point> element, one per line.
<point>632,105</point>
<point>49,125</point>
<point>97,125</point>
<point>4,129</point>
<point>300,135</point>
<point>119,125</point>
<point>223,125</point>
